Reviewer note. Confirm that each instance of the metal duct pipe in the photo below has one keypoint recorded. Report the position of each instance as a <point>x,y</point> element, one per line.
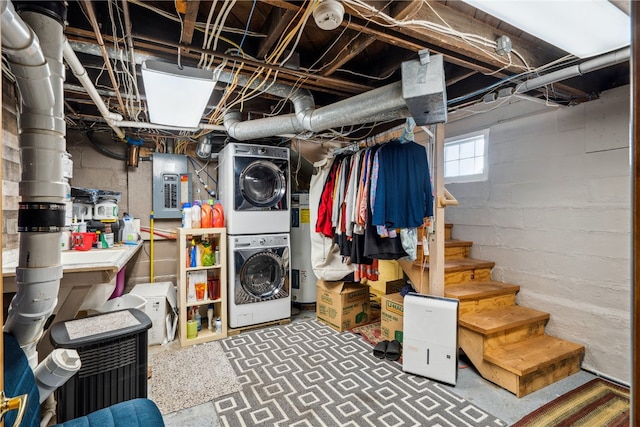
<point>41,215</point>
<point>385,103</point>
<point>594,64</point>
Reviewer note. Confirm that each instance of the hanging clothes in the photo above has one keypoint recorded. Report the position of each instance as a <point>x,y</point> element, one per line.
<point>372,201</point>
<point>403,191</point>
<point>326,261</point>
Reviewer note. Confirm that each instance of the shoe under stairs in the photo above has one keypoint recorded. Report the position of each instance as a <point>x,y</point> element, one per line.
<point>504,341</point>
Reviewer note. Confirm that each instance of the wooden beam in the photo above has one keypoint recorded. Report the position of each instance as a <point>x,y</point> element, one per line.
<point>635,249</point>
<point>277,22</point>
<point>453,80</point>
<point>350,48</point>
<point>455,50</point>
<point>347,51</point>
<point>189,23</point>
<point>436,239</point>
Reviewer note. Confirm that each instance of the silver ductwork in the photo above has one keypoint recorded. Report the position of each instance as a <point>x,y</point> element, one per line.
<point>381,104</point>
<point>35,57</point>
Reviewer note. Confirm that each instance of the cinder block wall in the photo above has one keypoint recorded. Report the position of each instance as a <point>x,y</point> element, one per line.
<point>555,217</point>
<point>93,169</point>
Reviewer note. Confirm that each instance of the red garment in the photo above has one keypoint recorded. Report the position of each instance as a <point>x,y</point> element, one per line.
<point>364,271</point>
<point>323,224</point>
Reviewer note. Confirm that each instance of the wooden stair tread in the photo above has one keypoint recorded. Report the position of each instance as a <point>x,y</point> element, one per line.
<point>531,354</point>
<point>477,290</point>
<point>453,243</point>
<point>501,319</point>
<point>463,264</point>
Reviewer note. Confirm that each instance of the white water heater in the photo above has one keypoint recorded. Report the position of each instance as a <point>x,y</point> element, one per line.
<point>303,280</point>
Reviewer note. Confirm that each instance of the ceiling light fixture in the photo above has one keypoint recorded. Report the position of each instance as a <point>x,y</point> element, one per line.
<point>176,96</point>
<point>583,28</point>
<point>329,14</point>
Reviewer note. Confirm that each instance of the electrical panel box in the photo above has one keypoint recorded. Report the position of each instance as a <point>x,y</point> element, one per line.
<point>171,185</point>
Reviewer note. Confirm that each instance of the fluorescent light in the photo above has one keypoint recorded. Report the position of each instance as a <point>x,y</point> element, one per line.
<point>176,96</point>
<point>583,28</point>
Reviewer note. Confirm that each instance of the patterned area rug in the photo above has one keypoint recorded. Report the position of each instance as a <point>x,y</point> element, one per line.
<point>371,332</point>
<point>596,403</point>
<point>307,374</point>
<point>190,376</point>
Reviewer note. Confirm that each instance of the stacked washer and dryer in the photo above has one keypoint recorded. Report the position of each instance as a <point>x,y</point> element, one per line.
<point>254,189</point>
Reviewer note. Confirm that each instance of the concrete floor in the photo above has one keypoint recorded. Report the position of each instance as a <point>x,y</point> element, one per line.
<point>470,386</point>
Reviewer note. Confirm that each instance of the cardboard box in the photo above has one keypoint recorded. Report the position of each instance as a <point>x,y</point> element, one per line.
<point>391,317</point>
<point>342,305</point>
<point>161,309</point>
<point>394,286</point>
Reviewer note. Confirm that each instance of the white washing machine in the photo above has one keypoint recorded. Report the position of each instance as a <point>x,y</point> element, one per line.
<point>253,186</point>
<point>303,279</point>
<point>259,276</point>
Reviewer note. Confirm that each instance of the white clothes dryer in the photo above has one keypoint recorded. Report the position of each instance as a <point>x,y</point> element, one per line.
<point>259,279</point>
<point>253,186</point>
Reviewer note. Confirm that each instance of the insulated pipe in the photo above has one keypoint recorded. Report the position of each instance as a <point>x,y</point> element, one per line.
<point>594,64</point>
<point>79,71</point>
<point>41,215</point>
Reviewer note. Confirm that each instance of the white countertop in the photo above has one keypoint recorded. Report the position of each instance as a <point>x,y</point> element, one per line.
<point>106,262</point>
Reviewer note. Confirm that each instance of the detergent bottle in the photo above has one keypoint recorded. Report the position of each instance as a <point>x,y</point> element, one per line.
<point>218,215</point>
<point>206,219</point>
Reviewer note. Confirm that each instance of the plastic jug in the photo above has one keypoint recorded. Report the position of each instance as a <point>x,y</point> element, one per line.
<point>207,215</point>
<point>218,215</point>
<point>196,215</point>
<point>129,234</point>
<point>186,215</point>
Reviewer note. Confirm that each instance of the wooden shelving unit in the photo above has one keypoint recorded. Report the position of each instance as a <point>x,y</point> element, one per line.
<point>218,237</point>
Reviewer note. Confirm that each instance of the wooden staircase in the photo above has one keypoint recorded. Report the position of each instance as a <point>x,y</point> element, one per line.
<point>505,342</point>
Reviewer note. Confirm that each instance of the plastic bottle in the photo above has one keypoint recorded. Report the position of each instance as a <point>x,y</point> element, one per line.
<point>210,317</point>
<point>193,255</point>
<point>196,215</point>
<point>107,236</point>
<point>217,255</point>
<point>198,318</point>
<point>218,326</point>
<point>218,215</point>
<point>186,215</point>
<point>207,215</point>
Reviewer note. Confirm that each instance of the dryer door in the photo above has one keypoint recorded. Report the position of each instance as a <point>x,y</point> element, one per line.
<point>262,276</point>
<point>263,185</point>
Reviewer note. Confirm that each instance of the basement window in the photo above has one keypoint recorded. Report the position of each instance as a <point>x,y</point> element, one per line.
<point>465,157</point>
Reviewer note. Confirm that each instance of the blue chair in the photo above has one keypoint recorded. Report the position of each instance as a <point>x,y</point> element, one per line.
<point>19,380</point>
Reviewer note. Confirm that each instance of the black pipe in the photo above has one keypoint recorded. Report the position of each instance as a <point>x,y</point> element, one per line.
<point>103,150</point>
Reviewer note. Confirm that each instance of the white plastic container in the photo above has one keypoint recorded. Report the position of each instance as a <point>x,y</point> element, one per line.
<point>129,234</point>
<point>83,210</point>
<point>105,210</point>
<point>196,215</point>
<point>186,215</point>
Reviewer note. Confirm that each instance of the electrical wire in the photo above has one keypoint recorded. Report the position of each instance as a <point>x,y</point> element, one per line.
<point>253,6</point>
<point>209,191</point>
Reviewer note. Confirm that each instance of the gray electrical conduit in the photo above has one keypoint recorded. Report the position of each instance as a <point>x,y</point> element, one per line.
<point>37,64</point>
<point>602,61</point>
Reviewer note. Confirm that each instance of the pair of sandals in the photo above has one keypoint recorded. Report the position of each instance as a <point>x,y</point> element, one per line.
<point>390,350</point>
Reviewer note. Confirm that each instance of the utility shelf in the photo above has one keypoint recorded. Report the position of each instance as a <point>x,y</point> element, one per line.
<point>218,238</point>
